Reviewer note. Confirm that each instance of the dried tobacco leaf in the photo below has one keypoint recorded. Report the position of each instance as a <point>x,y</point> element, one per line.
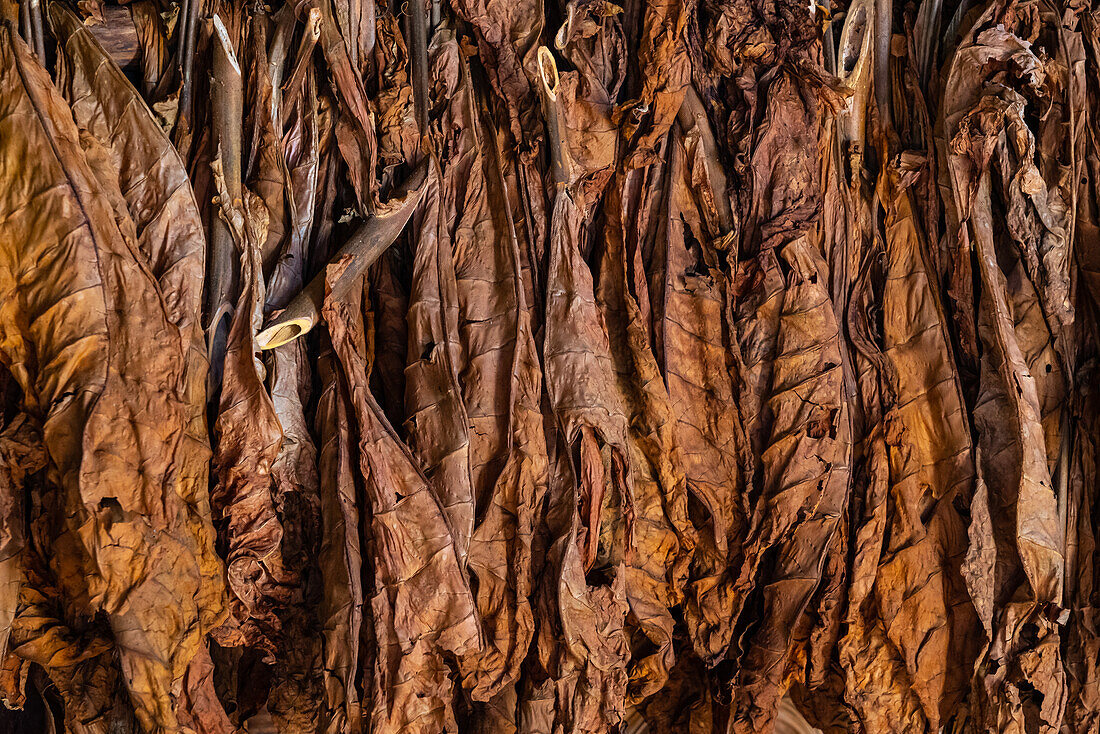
<point>340,555</point>
<point>501,384</point>
<point>109,385</point>
<point>692,334</point>
<point>421,602</point>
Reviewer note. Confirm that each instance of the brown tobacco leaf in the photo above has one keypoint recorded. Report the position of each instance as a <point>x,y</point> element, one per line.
<point>580,380</point>
<point>153,182</point>
<point>153,43</point>
<point>398,129</point>
<point>877,685</point>
<point>159,78</point>
<point>507,37</point>
<point>658,538</point>
<point>295,689</point>
<point>109,385</point>
<point>586,96</point>
<point>341,554</point>
<point>759,290</point>
<point>877,688</point>
<point>266,170</point>
<point>300,132</point>
<point>626,513</point>
<point>805,475</point>
<point>355,131</point>
<point>500,382</point>
<point>80,659</point>
<point>167,227</point>
<point>437,424</point>
<point>916,625</point>
<point>294,696</point>
<point>665,72</point>
<point>21,454</point>
<point>581,645</point>
<point>249,437</point>
<point>357,26</point>
<point>693,335</point>
<point>975,120</point>
<point>421,603</point>
<point>1027,523</point>
<point>876,691</point>
<point>92,11</point>
<point>684,705</point>
<point>1042,313</point>
<point>796,418</point>
<point>1083,708</point>
<point>922,599</point>
<point>786,197</point>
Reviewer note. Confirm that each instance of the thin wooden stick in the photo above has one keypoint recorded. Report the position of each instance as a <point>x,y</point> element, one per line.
<point>227,95</point>
<point>187,57</point>
<point>25,22</point>
<point>884,21</point>
<point>418,54</point>
<point>855,67</point>
<point>561,164</point>
<point>37,30</point>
